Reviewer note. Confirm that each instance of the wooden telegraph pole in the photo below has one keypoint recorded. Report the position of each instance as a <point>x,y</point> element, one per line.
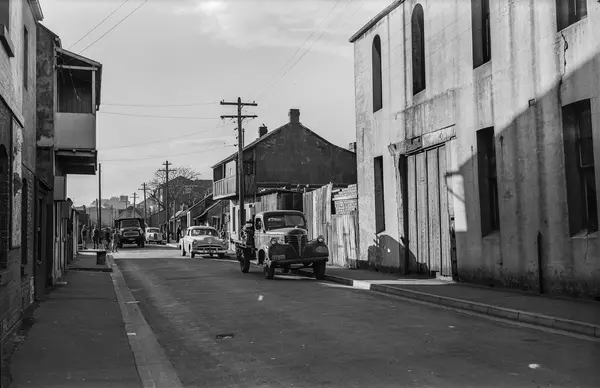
<point>166,192</point>
<point>240,163</point>
<point>133,210</point>
<point>145,202</point>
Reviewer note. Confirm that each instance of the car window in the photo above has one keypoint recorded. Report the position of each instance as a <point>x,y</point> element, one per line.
<point>130,224</point>
<point>204,232</point>
<point>278,221</point>
<point>153,230</point>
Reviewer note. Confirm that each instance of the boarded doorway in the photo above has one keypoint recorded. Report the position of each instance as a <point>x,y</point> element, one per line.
<point>428,216</point>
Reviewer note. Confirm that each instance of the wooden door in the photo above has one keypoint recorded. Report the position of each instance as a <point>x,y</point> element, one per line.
<point>428,220</point>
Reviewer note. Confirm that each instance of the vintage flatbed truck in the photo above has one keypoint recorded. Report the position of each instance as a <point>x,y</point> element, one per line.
<point>279,239</point>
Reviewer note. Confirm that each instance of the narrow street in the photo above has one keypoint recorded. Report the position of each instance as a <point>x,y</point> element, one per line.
<point>295,331</point>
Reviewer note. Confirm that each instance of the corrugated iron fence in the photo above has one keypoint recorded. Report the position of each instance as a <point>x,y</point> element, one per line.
<point>339,230</point>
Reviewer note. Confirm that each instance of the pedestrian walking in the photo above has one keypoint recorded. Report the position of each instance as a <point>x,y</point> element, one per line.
<point>96,238</point>
<point>115,241</point>
<point>178,233</point>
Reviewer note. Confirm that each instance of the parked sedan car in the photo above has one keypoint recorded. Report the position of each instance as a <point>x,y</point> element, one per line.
<point>153,235</point>
<point>203,240</point>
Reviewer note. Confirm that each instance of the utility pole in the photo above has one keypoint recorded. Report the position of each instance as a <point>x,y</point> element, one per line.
<point>240,163</point>
<point>145,203</point>
<point>166,200</point>
<point>99,196</point>
<point>134,198</point>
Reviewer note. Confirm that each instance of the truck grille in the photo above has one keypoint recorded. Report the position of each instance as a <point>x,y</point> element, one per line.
<point>298,242</point>
<point>131,234</point>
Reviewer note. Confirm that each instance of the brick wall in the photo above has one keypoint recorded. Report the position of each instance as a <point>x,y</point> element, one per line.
<point>350,201</point>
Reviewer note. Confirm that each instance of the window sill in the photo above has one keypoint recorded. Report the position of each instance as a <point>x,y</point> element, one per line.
<point>584,235</point>
<point>8,45</point>
<point>495,235</point>
<point>573,24</point>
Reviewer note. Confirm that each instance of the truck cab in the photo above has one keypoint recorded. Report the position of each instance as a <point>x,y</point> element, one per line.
<point>279,239</point>
<point>131,231</point>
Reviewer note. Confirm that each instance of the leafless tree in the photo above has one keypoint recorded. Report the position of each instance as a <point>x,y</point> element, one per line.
<point>180,179</point>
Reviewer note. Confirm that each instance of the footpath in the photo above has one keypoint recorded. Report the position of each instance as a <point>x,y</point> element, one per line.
<point>561,314</point>
<point>77,337</point>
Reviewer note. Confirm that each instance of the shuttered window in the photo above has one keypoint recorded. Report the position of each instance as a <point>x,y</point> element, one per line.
<point>379,199</point>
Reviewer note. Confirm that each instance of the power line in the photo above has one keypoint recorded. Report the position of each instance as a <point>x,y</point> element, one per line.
<point>115,26</point>
<point>298,50</point>
<point>158,117</point>
<point>165,139</point>
<point>314,42</point>
<point>162,105</point>
<point>97,25</point>
<point>168,156</point>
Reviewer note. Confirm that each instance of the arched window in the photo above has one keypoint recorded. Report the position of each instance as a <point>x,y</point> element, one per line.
<point>5,200</point>
<point>377,81</point>
<point>418,49</point>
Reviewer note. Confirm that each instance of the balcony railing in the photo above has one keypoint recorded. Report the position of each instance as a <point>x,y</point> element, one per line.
<point>75,131</point>
<point>225,187</point>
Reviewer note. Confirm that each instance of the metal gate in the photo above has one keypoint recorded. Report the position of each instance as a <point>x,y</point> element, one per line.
<point>428,217</point>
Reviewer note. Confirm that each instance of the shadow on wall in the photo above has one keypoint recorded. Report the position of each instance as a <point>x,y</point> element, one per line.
<point>529,218</point>
<point>530,194</point>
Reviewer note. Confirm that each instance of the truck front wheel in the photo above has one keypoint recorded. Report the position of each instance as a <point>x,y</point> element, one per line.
<point>269,271</point>
<point>319,270</point>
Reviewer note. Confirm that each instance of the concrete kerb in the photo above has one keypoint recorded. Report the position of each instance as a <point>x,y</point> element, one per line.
<point>154,367</point>
<point>539,320</point>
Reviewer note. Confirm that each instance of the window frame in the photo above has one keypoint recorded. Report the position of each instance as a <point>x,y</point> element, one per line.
<point>377,74</point>
<point>487,172</point>
<point>417,24</point>
<point>379,199</point>
<point>572,16</point>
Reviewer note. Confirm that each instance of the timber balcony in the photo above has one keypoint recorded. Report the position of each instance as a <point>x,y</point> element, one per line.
<point>225,187</point>
<point>78,98</point>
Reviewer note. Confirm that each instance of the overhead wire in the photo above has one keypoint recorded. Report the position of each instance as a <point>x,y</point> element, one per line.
<point>97,25</point>
<point>159,117</point>
<point>313,43</point>
<point>167,156</point>
<point>298,50</point>
<point>307,63</point>
<point>162,105</point>
<point>166,140</point>
<point>115,26</point>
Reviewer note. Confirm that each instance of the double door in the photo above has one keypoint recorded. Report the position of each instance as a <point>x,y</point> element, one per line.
<point>428,212</point>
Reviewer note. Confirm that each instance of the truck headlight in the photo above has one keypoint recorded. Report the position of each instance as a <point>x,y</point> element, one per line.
<point>274,240</point>
<point>320,239</point>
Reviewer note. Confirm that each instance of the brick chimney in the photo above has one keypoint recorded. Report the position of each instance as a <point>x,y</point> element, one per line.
<point>294,115</point>
<point>262,130</point>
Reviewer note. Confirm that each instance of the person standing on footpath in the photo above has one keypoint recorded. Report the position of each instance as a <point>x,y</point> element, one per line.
<point>84,235</point>
<point>96,237</point>
<point>115,241</point>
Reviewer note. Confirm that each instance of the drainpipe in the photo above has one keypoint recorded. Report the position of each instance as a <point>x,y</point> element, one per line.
<point>540,269</point>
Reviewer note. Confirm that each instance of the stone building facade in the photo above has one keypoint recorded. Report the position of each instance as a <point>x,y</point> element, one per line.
<point>18,181</point>
<point>478,140</point>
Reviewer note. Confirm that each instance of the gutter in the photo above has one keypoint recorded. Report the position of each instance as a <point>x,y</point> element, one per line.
<point>37,10</point>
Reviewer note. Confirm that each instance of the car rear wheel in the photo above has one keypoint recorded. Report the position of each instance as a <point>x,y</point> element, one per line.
<point>285,269</point>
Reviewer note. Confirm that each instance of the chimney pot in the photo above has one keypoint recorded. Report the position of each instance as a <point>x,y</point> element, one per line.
<point>262,130</point>
<point>294,115</point>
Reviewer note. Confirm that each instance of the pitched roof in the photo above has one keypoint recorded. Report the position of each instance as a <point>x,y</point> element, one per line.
<point>272,133</point>
<point>375,20</point>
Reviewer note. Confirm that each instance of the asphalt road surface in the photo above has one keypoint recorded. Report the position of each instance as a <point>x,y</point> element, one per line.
<point>298,332</point>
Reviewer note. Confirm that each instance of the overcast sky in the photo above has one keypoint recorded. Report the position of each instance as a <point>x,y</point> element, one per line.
<point>176,52</point>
